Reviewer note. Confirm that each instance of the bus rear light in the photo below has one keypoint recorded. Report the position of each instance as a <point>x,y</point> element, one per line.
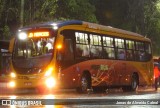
<point>12,84</point>
<point>50,82</point>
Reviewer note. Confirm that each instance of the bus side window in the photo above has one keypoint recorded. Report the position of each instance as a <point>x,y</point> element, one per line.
<point>120,49</point>
<point>95,46</point>
<point>121,54</point>
<point>148,51</point>
<point>140,51</point>
<point>85,51</point>
<point>130,50</point>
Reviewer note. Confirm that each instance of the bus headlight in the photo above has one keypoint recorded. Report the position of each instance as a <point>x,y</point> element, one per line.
<point>22,36</point>
<point>13,75</point>
<point>12,84</point>
<point>50,82</point>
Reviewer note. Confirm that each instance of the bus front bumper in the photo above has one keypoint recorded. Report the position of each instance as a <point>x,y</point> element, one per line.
<point>48,83</point>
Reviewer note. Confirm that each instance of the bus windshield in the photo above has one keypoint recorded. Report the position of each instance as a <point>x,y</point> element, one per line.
<point>33,53</point>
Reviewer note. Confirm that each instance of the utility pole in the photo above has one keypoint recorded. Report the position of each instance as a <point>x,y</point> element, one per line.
<point>22,13</point>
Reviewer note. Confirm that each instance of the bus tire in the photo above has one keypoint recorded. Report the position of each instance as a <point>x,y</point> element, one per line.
<point>85,83</point>
<point>134,82</point>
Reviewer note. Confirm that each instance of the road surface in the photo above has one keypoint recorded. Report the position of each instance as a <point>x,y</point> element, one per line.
<point>113,98</point>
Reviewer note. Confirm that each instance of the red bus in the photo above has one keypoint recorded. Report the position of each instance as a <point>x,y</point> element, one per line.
<point>81,55</point>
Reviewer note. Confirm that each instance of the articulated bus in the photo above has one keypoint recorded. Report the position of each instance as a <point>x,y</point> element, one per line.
<point>80,55</point>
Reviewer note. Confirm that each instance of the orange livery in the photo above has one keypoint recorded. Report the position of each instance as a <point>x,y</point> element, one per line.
<point>81,55</point>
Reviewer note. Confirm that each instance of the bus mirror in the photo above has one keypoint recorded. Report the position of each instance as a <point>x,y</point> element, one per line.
<point>11,45</point>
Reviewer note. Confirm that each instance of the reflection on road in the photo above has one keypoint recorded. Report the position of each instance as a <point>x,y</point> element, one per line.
<point>111,94</point>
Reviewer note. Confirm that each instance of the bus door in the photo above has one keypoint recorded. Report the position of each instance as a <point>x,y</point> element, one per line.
<point>67,63</point>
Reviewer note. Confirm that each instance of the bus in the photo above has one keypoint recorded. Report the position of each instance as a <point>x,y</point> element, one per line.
<point>80,55</point>
<point>5,58</point>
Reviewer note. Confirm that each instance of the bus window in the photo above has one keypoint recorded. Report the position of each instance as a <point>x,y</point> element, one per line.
<point>121,54</point>
<point>82,45</point>
<point>120,49</point>
<point>28,53</point>
<point>85,52</point>
<point>140,52</point>
<point>21,49</point>
<point>81,38</point>
<point>95,46</point>
<point>130,50</point>
<point>108,47</point>
<point>148,51</point>
<point>82,50</point>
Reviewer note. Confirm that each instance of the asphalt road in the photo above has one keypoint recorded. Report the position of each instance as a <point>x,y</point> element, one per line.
<point>112,98</point>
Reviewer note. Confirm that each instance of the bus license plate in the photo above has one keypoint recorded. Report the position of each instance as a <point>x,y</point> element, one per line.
<point>27,83</point>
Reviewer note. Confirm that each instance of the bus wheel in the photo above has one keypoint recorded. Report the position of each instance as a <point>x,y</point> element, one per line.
<point>134,83</point>
<point>85,84</point>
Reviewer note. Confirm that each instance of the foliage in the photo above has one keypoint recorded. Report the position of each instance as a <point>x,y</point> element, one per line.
<point>8,16</point>
<point>39,11</point>
<point>141,16</point>
<point>76,9</point>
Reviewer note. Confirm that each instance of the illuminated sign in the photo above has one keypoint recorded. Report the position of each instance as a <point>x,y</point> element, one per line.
<point>38,34</point>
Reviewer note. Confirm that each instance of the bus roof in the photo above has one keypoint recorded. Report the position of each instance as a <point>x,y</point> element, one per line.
<point>86,24</point>
<point>51,24</point>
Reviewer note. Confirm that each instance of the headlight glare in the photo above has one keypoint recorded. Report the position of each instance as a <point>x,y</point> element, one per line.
<point>22,36</point>
<point>12,84</point>
<point>50,82</point>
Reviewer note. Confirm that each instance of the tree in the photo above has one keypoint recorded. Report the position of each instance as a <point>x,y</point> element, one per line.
<point>76,9</point>
<point>37,11</point>
<point>140,16</point>
<point>8,17</point>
